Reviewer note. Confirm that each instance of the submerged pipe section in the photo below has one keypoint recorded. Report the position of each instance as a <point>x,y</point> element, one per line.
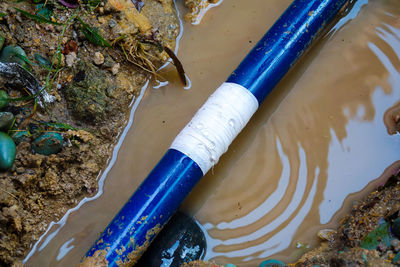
<point>207,136</point>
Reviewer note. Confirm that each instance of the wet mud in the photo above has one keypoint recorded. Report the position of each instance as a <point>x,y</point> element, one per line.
<point>67,141</point>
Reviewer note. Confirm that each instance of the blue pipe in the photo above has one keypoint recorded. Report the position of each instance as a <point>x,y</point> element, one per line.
<point>159,196</point>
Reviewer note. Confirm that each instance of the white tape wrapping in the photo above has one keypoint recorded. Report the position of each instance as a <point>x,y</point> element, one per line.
<point>216,124</point>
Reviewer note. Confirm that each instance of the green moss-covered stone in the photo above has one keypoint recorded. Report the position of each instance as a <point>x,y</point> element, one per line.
<point>4,99</point>
<point>7,151</point>
<point>48,143</point>
<point>86,94</point>
<point>6,120</point>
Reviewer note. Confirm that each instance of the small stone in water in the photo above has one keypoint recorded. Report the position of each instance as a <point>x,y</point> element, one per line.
<point>180,241</point>
<point>6,120</point>
<point>272,263</point>
<point>48,143</point>
<point>7,151</point>
<point>4,99</point>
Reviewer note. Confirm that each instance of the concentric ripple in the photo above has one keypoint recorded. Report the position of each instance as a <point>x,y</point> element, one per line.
<point>326,141</point>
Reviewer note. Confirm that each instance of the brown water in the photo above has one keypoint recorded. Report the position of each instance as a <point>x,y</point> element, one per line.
<point>316,142</point>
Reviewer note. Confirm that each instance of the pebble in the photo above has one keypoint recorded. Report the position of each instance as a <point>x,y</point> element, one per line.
<point>6,120</point>
<point>13,54</point>
<point>115,68</point>
<point>98,58</point>
<point>20,136</point>
<point>272,263</point>
<point>395,244</point>
<point>49,28</point>
<point>48,143</point>
<point>18,18</point>
<point>112,23</point>
<point>326,234</point>
<point>70,59</point>
<point>20,170</point>
<point>4,100</point>
<point>64,40</point>
<point>7,151</point>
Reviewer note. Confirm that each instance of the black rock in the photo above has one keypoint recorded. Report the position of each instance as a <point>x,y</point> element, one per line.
<point>180,241</point>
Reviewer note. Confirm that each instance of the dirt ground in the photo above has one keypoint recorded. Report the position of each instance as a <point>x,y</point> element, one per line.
<point>93,80</point>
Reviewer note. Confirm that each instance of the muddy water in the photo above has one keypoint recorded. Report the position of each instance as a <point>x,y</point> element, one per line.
<point>312,148</point>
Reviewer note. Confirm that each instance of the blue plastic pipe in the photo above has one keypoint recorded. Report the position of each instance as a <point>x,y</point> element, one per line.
<point>161,193</point>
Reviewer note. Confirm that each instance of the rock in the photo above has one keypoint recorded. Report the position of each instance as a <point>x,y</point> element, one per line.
<point>7,151</point>
<point>272,263</point>
<point>181,240</point>
<point>326,234</point>
<point>395,244</point>
<point>6,120</point>
<point>86,94</point>
<point>70,46</point>
<point>13,54</point>
<point>115,68</point>
<point>98,58</point>
<point>4,99</point>
<point>48,143</point>
<point>112,23</point>
<point>20,136</point>
<point>70,59</point>
<point>49,28</point>
<point>19,77</point>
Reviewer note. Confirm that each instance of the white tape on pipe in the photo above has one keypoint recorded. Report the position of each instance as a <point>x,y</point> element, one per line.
<point>216,124</point>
